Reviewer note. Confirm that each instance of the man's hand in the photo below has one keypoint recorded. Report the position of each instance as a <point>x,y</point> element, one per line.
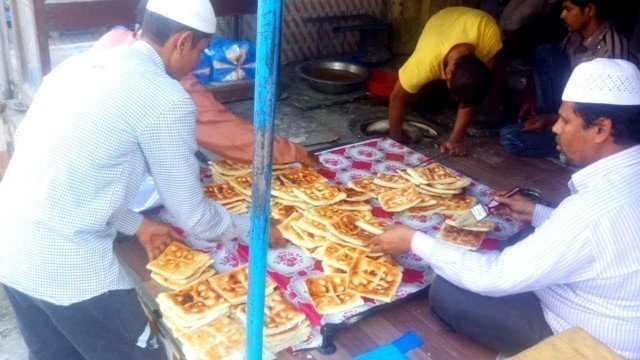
<point>517,206</point>
<point>528,109</point>
<point>312,160</point>
<point>455,148</point>
<point>276,238</point>
<point>395,240</point>
<point>539,123</point>
<point>155,236</point>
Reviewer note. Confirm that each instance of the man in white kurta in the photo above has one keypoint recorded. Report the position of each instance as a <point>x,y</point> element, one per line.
<point>581,266</point>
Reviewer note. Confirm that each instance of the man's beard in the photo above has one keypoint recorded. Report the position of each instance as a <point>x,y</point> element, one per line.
<point>563,157</point>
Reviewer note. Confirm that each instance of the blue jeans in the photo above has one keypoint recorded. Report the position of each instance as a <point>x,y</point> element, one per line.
<point>551,71</point>
<point>528,144</point>
<point>109,326</point>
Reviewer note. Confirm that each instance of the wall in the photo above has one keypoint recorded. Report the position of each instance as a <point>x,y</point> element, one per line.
<point>300,39</point>
<point>409,16</point>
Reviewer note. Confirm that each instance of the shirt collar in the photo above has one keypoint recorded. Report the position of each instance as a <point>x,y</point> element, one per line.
<point>151,53</point>
<point>597,172</point>
<point>594,40</point>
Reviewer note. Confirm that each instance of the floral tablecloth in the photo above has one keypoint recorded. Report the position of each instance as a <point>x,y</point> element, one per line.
<point>289,266</point>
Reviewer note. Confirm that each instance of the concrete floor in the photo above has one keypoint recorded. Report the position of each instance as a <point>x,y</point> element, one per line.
<point>12,347</point>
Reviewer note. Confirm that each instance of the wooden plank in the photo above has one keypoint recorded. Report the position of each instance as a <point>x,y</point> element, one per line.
<point>436,345</point>
<point>574,343</point>
<point>420,309</point>
<point>354,341</point>
<point>383,332</point>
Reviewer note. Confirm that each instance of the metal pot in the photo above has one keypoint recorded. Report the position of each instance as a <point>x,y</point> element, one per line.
<point>333,77</point>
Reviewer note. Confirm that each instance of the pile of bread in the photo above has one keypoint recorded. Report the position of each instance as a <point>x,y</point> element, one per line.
<point>334,223</point>
<point>209,315</point>
<point>232,187</point>
<point>179,266</point>
<point>425,190</point>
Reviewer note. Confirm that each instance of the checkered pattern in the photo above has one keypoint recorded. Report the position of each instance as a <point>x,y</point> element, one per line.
<point>97,124</point>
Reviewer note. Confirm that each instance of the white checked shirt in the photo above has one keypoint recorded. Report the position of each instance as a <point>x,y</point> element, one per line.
<point>98,122</point>
<point>583,260</point>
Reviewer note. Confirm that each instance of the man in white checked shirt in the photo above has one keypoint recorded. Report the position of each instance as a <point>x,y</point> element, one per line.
<point>99,121</point>
<point>581,267</point>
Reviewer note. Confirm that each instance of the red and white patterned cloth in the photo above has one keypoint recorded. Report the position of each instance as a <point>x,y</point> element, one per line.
<point>289,266</point>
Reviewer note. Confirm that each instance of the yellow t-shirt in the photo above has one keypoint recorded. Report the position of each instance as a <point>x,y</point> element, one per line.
<point>449,27</point>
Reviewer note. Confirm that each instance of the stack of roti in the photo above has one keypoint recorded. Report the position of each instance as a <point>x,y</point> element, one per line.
<point>292,231</point>
<point>284,325</point>
<point>228,196</point>
<point>338,292</point>
<point>330,295</point>
<point>232,183</point>
<point>468,237</point>
<point>282,212</point>
<point>374,279</point>
<point>191,307</point>
<point>346,231</point>
<point>425,190</point>
<point>234,285</point>
<point>221,339</point>
<point>304,188</point>
<point>179,266</point>
<point>319,231</point>
<point>223,170</point>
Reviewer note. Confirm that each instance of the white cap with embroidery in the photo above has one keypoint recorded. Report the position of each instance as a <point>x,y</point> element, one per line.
<point>604,81</point>
<point>196,14</point>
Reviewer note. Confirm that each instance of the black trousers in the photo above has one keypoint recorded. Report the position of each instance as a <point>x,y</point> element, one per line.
<point>109,326</point>
<point>508,324</point>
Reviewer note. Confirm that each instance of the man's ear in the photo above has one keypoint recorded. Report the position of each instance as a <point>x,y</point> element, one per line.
<point>184,41</point>
<point>590,10</point>
<point>448,71</point>
<point>603,130</point>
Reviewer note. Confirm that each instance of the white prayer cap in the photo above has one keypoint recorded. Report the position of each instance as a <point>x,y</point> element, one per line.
<point>604,81</point>
<point>196,14</point>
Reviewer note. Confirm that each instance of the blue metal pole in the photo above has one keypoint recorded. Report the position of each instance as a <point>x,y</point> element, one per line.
<point>267,67</point>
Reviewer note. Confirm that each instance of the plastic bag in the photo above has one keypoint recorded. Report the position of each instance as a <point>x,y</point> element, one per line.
<point>232,60</point>
<point>202,71</point>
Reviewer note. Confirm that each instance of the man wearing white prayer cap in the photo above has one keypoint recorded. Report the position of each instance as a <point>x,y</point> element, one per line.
<point>581,267</point>
<point>98,123</point>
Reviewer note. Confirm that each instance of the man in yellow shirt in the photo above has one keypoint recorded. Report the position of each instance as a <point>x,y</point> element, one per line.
<point>459,45</point>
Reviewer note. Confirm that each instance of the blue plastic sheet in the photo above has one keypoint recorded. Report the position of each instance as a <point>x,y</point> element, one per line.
<point>395,350</point>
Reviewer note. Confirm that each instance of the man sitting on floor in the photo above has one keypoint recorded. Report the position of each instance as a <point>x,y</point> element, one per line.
<point>580,267</point>
<point>590,37</point>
